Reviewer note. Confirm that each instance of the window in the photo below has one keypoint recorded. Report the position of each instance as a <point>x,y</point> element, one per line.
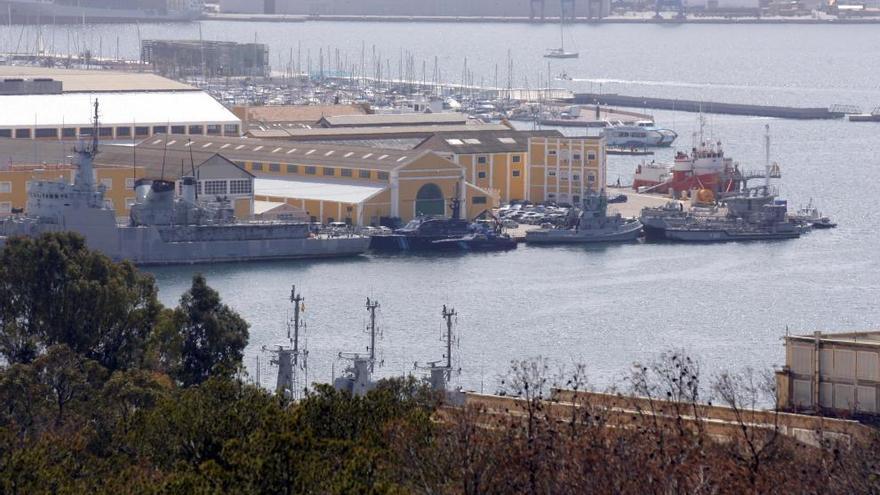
<point>257,166</point>
<point>68,132</point>
<point>215,187</point>
<point>129,183</point>
<point>214,129</point>
<point>507,140</point>
<point>364,174</point>
<point>240,186</point>
<point>481,175</point>
<point>551,173</point>
<point>292,169</point>
<point>575,199</point>
<point>516,158</point>
<point>85,131</point>
<point>105,131</point>
<point>575,177</point>
<point>5,187</point>
<point>591,156</point>
<point>107,183</point>
<point>274,167</point>
<point>516,173</point>
<point>129,202</point>
<point>552,152</point>
<point>230,130</point>
<point>141,130</point>
<point>576,156</point>
<point>5,208</point>
<point>196,129</point>
<point>383,175</point>
<point>481,159</point>
<point>591,178</point>
<point>345,172</point>
<point>123,131</point>
<point>472,141</point>
<point>329,171</point>
<point>5,133</point>
<point>311,170</point>
<point>46,133</point>
<point>160,129</point>
<point>178,129</point>
<point>551,195</point>
<point>478,200</point>
<point>23,133</point>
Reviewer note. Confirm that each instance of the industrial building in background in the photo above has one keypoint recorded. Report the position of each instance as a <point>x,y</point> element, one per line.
<point>836,373</point>
<point>186,58</point>
<point>90,11</point>
<point>534,9</point>
<point>54,104</point>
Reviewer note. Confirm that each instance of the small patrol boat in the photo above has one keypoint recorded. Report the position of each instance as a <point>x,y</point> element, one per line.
<point>593,225</point>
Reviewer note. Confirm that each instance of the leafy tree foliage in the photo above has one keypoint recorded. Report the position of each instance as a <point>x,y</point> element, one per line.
<point>212,336</point>
<point>53,290</point>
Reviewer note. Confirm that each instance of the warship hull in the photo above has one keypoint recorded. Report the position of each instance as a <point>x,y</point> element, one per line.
<point>728,235</point>
<point>146,245</point>
<point>629,232</point>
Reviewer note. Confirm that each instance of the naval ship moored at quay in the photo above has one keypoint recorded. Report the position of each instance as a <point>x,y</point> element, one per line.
<point>163,229</point>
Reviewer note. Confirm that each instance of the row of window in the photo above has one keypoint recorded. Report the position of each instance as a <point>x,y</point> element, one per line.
<point>574,177</point>
<point>311,170</point>
<point>575,156</point>
<point>484,159</point>
<point>122,132</point>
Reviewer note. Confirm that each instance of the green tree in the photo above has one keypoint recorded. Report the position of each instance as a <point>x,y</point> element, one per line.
<point>54,290</point>
<point>212,336</point>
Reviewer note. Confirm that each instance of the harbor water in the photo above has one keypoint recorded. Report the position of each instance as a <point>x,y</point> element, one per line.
<point>727,304</point>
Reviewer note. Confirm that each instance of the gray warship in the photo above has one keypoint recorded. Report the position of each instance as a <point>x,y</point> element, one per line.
<point>163,229</point>
<point>593,225</point>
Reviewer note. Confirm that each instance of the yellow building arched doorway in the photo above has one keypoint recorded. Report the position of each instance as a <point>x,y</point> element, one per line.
<point>430,201</point>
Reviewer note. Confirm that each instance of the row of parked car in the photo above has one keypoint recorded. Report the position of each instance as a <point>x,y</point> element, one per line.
<point>533,213</point>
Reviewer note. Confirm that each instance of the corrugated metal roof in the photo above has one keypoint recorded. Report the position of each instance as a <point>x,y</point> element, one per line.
<point>147,108</point>
<point>394,119</point>
<point>96,80</point>
<point>316,190</point>
<point>273,151</point>
<point>489,141</point>
<point>301,134</point>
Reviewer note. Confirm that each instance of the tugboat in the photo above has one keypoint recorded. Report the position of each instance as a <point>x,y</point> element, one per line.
<point>810,216</point>
<point>593,225</point>
<point>432,233</point>
<point>163,229</point>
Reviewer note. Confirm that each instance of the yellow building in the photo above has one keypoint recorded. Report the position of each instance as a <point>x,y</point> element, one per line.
<point>494,160</point>
<point>563,169</point>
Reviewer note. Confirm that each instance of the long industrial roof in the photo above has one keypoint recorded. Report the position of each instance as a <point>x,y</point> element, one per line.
<point>387,119</point>
<point>316,190</point>
<point>300,134</point>
<point>489,141</point>
<point>271,151</point>
<point>150,108</point>
<point>77,80</point>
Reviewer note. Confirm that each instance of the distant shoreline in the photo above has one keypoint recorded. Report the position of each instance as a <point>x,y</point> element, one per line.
<point>547,20</point>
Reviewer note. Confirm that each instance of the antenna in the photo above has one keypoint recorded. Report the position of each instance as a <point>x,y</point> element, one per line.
<point>767,157</point>
<point>192,163</point>
<point>290,358</point>
<point>372,305</point>
<point>448,315</point>
<point>440,375</point>
<point>164,154</point>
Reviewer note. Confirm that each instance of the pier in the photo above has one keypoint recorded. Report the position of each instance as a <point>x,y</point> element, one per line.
<point>711,106</point>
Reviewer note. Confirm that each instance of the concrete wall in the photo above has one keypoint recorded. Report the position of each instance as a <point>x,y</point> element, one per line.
<point>451,8</point>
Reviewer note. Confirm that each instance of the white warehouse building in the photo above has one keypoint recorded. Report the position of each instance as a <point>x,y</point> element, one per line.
<point>41,103</point>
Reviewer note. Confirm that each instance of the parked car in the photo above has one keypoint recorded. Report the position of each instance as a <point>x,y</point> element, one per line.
<point>618,198</point>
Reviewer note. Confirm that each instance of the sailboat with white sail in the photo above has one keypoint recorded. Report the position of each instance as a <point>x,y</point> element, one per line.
<point>561,52</point>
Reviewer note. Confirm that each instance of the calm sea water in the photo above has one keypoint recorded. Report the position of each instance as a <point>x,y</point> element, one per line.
<point>607,306</point>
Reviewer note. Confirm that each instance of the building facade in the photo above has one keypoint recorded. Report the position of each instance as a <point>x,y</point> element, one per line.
<point>563,169</point>
<point>837,372</point>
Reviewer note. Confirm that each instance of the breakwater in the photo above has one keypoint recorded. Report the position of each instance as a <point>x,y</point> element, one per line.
<point>707,106</point>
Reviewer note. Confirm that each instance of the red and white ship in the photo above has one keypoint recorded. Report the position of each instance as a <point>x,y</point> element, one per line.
<point>705,167</point>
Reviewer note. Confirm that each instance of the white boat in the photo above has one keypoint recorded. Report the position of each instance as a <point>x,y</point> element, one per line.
<point>643,133</point>
<point>560,52</point>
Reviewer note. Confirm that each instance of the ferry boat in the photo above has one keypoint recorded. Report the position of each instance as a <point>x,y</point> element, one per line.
<point>644,133</point>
